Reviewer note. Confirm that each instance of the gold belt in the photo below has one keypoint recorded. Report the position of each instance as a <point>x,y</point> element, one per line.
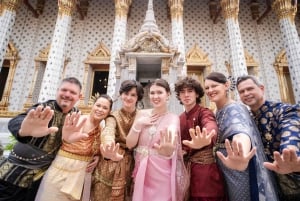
<point>74,156</point>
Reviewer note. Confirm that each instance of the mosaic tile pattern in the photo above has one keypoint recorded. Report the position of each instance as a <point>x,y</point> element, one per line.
<point>55,64</point>
<point>30,35</point>
<point>7,20</point>
<point>292,46</point>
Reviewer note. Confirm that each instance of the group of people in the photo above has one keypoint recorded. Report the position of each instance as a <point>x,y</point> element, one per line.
<point>153,154</point>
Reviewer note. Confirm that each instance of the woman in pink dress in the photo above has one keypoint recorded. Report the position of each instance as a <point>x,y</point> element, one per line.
<point>159,172</point>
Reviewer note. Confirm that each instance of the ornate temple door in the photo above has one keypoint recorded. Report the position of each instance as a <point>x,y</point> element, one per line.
<point>198,73</point>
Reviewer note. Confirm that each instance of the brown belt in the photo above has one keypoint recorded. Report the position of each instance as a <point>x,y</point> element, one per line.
<point>203,157</point>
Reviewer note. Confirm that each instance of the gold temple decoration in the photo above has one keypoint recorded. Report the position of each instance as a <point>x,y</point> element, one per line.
<point>230,9</point>
<point>254,8</point>
<point>176,8</point>
<point>252,65</point>
<point>66,7</point>
<point>196,56</point>
<point>99,57</point>
<point>284,9</point>
<point>122,7</point>
<point>282,70</point>
<point>10,5</point>
<point>198,66</point>
<point>11,59</point>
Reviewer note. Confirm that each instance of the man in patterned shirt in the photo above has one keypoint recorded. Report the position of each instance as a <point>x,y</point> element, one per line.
<point>38,132</point>
<point>279,125</point>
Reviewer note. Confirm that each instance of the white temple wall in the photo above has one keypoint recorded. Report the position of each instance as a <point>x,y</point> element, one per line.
<point>30,35</point>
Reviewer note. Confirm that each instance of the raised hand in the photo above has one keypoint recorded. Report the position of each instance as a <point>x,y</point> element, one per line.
<point>36,122</point>
<point>199,139</point>
<point>167,145</point>
<point>72,129</point>
<point>284,163</point>
<point>111,151</point>
<point>236,158</point>
<point>146,121</point>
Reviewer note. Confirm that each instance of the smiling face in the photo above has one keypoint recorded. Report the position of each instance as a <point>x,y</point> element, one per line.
<point>67,96</point>
<point>129,99</point>
<point>158,96</point>
<point>251,94</point>
<point>101,109</point>
<point>216,91</point>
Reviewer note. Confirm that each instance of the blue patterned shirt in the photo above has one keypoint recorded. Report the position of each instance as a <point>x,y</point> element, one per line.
<point>279,125</point>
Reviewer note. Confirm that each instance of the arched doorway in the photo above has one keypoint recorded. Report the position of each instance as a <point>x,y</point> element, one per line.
<point>7,74</point>
<point>284,77</point>
<point>198,66</point>
<point>95,76</point>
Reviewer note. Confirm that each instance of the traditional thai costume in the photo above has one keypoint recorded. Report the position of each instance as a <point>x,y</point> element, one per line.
<point>156,177</point>
<point>206,180</point>
<point>112,180</point>
<point>279,126</point>
<point>64,180</point>
<point>256,182</point>
<point>21,172</point>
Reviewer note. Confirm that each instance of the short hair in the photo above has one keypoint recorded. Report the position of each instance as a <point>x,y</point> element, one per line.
<point>189,82</point>
<point>127,85</point>
<point>72,80</point>
<point>217,77</point>
<point>107,97</point>
<point>247,77</point>
<point>162,83</point>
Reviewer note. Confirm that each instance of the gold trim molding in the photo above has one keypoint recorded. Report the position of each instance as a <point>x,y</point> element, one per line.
<point>13,58</point>
<point>176,8</point>
<point>100,55</point>
<point>10,5</point>
<point>122,7</point>
<point>284,9</point>
<point>199,65</point>
<point>282,68</point>
<point>196,56</point>
<point>230,9</point>
<point>66,7</point>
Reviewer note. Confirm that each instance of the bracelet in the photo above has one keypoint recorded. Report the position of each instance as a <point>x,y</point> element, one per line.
<point>135,130</point>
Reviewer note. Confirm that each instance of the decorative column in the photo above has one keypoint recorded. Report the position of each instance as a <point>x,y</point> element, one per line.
<point>230,10</point>
<point>8,10</point>
<point>176,11</point>
<point>56,60</point>
<point>286,12</point>
<point>119,37</point>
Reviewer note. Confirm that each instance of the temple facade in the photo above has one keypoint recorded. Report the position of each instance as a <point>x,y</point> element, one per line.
<point>103,42</point>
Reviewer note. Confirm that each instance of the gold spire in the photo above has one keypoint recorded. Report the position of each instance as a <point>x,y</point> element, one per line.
<point>230,8</point>
<point>66,7</point>
<point>285,9</point>
<point>176,8</point>
<point>122,7</point>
